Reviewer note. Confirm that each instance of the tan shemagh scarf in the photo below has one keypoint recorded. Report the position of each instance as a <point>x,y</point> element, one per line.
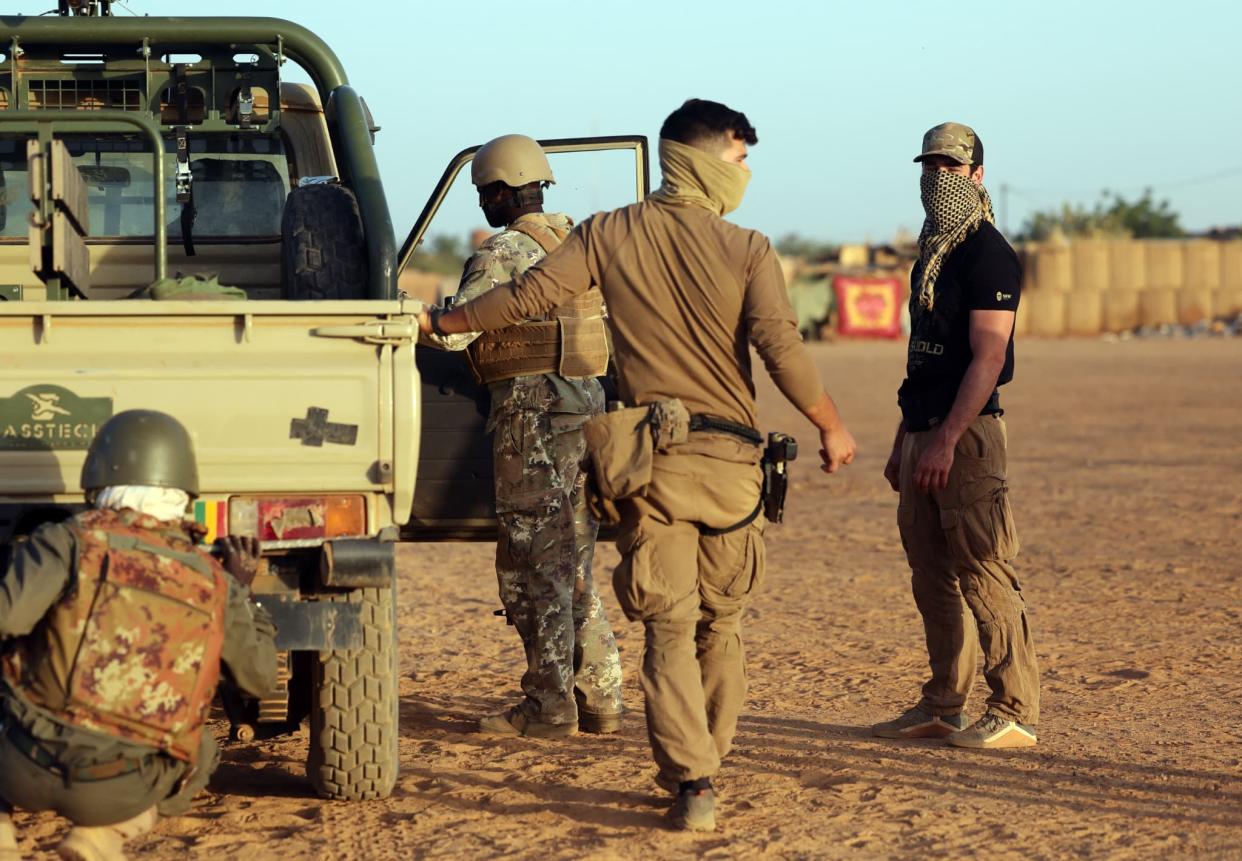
<point>695,178</point>
<point>955,208</point>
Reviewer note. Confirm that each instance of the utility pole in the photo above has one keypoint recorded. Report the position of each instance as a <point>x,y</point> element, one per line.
<point>1004,208</point>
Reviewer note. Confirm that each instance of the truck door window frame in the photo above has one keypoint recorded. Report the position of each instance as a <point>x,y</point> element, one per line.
<point>642,178</point>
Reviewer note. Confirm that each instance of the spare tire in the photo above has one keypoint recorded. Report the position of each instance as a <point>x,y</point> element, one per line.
<point>323,251</point>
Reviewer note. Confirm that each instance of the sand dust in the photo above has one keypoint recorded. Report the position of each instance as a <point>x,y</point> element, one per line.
<point>1126,470</point>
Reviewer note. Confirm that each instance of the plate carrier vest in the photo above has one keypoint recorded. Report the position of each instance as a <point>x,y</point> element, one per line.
<point>573,344</point>
<point>132,649</point>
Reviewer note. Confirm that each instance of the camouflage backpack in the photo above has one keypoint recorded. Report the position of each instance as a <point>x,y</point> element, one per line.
<point>132,650</point>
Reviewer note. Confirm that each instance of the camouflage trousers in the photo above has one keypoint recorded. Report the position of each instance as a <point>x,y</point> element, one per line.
<point>543,565</point>
<point>160,780</point>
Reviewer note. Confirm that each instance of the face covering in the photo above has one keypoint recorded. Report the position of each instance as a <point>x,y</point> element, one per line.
<point>695,178</point>
<point>955,207</point>
<point>162,503</point>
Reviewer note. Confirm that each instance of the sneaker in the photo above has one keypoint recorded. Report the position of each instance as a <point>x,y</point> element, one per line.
<point>107,842</point>
<point>600,724</point>
<point>8,839</point>
<point>919,723</point>
<point>695,807</point>
<point>515,722</point>
<point>994,732</point>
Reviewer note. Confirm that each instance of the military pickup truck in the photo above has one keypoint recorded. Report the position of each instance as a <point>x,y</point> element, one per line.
<point>182,229</point>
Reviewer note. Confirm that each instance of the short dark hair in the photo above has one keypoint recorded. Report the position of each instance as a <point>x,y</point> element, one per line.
<point>703,124</point>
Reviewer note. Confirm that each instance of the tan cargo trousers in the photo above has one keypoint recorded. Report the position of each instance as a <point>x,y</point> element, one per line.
<point>960,543</point>
<point>689,590</point>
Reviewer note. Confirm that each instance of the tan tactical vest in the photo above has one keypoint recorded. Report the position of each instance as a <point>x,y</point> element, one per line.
<point>573,344</point>
<point>133,648</point>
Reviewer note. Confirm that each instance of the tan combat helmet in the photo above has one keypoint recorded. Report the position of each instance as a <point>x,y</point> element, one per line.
<point>514,160</point>
<point>141,447</point>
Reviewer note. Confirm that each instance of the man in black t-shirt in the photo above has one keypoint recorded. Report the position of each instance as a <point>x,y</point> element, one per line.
<point>948,460</point>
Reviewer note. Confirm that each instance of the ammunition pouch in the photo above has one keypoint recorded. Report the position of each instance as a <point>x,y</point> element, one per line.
<point>574,345</point>
<point>622,444</point>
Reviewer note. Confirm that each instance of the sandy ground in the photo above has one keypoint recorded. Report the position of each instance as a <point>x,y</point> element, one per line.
<point>1126,470</point>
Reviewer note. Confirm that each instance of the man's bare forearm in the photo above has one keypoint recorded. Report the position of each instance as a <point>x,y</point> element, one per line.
<point>977,386</point>
<point>823,414</point>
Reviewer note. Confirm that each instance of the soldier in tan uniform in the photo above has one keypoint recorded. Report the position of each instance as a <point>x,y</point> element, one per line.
<point>115,629</point>
<point>541,398</point>
<point>688,295</point>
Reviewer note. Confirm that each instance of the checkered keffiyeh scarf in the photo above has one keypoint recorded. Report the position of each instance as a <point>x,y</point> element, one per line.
<point>955,208</point>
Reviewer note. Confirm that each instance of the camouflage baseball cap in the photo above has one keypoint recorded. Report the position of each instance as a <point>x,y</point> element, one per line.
<point>953,140</point>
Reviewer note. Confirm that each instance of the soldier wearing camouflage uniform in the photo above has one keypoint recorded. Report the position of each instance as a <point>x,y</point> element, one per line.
<point>543,390</point>
<point>115,628</point>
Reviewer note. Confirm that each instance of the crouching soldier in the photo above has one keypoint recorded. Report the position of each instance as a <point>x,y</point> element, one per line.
<point>115,629</point>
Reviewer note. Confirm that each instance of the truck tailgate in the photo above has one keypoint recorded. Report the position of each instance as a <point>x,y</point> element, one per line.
<point>272,404</point>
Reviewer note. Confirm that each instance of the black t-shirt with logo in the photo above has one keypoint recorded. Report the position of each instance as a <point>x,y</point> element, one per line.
<point>981,274</point>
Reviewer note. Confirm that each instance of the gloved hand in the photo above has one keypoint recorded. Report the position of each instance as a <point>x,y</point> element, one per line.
<point>241,555</point>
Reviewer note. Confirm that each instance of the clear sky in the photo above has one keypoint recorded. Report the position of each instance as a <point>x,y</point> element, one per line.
<point>1068,97</point>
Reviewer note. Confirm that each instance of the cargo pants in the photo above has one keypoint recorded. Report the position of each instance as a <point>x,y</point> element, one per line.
<point>960,543</point>
<point>160,780</point>
<point>689,590</point>
<point>543,566</point>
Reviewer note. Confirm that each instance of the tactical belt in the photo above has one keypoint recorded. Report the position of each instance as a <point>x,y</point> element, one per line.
<point>704,422</point>
<point>30,747</point>
<point>917,421</point>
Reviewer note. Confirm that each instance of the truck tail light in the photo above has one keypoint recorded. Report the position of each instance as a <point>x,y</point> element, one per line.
<point>286,518</point>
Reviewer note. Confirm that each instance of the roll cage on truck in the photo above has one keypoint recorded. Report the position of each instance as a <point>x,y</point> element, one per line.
<point>133,150</point>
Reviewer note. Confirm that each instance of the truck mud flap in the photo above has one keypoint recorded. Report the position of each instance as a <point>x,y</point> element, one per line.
<point>313,625</point>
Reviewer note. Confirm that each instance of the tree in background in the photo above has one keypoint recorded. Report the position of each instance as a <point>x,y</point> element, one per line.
<point>1113,216</point>
<point>443,254</point>
<point>810,250</point>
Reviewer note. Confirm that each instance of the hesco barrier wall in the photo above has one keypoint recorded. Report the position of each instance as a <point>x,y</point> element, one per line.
<point>1086,287</point>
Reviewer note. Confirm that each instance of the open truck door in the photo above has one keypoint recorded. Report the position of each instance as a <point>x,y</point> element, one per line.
<point>454,497</point>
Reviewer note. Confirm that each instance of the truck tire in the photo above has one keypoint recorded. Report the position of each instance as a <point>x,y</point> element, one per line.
<point>323,253</point>
<point>353,721</point>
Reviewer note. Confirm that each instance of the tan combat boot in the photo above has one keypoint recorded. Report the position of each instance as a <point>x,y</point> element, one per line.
<point>105,842</point>
<point>515,722</point>
<point>8,839</point>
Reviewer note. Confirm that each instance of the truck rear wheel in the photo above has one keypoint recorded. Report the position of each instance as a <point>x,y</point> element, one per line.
<point>353,722</point>
<point>323,251</point>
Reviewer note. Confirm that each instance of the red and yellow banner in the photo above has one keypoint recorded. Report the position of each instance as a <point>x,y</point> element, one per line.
<point>868,307</point>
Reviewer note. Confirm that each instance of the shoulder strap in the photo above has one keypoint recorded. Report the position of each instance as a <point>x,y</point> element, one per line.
<point>191,559</point>
<point>547,238</point>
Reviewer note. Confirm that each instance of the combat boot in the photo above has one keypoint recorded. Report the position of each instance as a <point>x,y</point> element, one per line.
<point>695,807</point>
<point>8,839</point>
<point>105,842</point>
<point>515,722</point>
<point>600,724</point>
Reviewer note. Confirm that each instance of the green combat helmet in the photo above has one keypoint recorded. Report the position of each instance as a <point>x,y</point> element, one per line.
<point>141,447</point>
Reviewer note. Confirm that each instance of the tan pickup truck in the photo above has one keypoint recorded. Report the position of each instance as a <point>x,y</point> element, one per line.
<point>135,152</point>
